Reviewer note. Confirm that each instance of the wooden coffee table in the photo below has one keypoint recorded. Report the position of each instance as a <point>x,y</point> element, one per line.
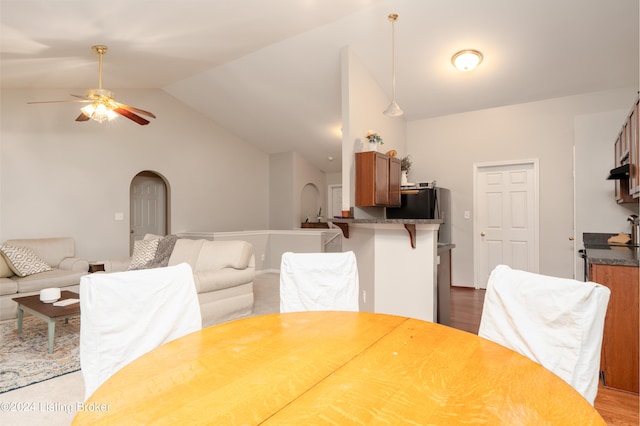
<point>47,312</point>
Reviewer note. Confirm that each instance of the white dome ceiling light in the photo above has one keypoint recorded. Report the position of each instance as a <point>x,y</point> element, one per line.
<point>466,60</point>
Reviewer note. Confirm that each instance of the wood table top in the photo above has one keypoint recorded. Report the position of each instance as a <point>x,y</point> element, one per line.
<point>34,302</point>
<point>335,368</point>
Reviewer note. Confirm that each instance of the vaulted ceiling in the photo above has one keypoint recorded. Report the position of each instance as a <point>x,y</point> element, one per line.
<point>269,70</point>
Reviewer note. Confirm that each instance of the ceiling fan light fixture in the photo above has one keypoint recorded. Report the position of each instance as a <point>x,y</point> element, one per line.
<point>466,60</point>
<point>100,93</point>
<point>101,104</point>
<point>99,112</point>
<point>393,110</point>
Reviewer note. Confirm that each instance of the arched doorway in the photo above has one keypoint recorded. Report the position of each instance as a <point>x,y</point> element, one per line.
<point>310,203</point>
<point>149,206</point>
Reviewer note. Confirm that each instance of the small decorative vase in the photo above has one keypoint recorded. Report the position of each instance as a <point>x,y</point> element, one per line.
<point>403,178</point>
<point>373,146</point>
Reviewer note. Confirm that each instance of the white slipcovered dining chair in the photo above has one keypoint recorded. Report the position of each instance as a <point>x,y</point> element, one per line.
<point>127,314</point>
<point>556,322</point>
<point>318,281</point>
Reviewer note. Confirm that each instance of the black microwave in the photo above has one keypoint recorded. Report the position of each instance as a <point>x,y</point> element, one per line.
<point>416,204</point>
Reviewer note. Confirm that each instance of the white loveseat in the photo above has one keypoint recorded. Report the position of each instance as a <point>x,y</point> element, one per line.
<point>223,273</point>
<point>58,253</point>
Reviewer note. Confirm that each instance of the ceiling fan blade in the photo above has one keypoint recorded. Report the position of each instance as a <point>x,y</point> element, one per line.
<point>131,116</point>
<point>137,110</point>
<point>80,96</point>
<point>68,100</point>
<point>82,117</point>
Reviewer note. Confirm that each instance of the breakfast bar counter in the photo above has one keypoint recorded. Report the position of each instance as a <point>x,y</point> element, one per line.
<point>397,264</point>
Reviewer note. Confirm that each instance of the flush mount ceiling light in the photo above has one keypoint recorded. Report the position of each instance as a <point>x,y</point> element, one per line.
<point>393,110</point>
<point>466,60</point>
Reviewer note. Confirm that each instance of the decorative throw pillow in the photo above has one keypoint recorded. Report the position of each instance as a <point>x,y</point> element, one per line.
<point>5,270</point>
<point>144,252</point>
<point>23,261</point>
<point>165,248</point>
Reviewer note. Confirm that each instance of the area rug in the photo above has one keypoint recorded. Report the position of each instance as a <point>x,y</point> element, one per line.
<point>25,360</point>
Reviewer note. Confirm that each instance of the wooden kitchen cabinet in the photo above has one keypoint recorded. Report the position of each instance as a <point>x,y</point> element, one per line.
<point>627,151</point>
<point>619,359</point>
<point>634,152</point>
<point>377,180</point>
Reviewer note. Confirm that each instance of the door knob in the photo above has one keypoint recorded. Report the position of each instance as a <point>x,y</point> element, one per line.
<point>570,238</point>
<point>482,234</point>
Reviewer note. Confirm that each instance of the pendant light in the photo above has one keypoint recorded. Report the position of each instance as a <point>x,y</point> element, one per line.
<point>393,110</point>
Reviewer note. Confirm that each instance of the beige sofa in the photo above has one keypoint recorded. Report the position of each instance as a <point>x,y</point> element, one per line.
<point>59,254</point>
<point>223,272</point>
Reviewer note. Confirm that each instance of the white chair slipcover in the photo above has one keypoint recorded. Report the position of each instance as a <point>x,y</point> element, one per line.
<point>556,322</point>
<point>318,281</point>
<point>127,314</point>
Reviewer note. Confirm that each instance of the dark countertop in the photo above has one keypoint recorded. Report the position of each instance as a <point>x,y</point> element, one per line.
<point>387,221</point>
<point>315,225</point>
<point>614,255</point>
<point>445,246</point>
<point>600,252</point>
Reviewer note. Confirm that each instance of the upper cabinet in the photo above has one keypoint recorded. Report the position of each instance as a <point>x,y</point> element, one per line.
<point>377,180</point>
<point>634,129</point>
<point>627,152</point>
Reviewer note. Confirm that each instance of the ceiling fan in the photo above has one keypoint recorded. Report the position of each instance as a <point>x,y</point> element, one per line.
<point>102,105</point>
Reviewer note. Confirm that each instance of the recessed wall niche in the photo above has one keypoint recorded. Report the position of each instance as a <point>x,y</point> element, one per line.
<point>310,203</point>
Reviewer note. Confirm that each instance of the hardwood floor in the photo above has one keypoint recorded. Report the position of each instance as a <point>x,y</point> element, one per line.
<point>466,308</point>
<point>616,407</point>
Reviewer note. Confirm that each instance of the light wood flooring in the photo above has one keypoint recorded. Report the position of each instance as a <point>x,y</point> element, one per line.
<point>616,407</point>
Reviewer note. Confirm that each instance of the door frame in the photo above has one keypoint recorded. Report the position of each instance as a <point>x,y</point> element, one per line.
<point>477,168</point>
<point>165,208</point>
<point>330,189</point>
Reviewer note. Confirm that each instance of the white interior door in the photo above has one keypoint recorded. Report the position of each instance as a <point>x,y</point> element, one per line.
<point>506,218</point>
<point>334,203</point>
<point>148,207</point>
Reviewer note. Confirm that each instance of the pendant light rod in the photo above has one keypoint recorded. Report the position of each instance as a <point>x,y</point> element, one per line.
<point>393,110</point>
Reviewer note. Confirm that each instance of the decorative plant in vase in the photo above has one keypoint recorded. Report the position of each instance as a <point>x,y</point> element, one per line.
<point>374,140</point>
<point>405,166</point>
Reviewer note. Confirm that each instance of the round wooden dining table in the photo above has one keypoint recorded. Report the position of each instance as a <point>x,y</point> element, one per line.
<point>337,368</point>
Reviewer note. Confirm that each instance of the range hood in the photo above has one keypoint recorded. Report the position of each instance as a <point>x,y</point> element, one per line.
<point>621,172</point>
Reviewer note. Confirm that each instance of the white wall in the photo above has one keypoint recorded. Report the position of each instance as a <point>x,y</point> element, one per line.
<point>289,173</point>
<point>59,177</point>
<point>445,148</point>
<point>362,104</point>
<point>64,178</point>
<point>281,192</point>
<point>334,178</point>
<point>595,209</point>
